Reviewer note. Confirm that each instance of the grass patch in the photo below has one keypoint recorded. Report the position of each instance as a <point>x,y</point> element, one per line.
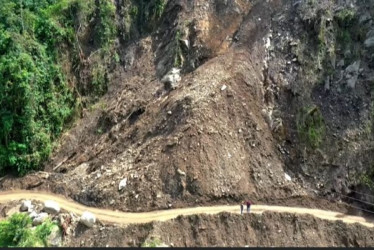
<point>178,54</point>
<point>17,231</point>
<point>152,243</point>
<point>310,126</point>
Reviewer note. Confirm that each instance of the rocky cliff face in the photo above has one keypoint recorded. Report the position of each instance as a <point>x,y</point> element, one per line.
<point>320,85</point>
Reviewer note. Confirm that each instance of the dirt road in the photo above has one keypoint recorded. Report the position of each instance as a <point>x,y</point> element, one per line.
<point>117,217</point>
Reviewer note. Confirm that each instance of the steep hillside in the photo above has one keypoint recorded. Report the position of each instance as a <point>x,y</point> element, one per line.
<point>274,102</point>
<point>181,103</point>
<point>203,141</point>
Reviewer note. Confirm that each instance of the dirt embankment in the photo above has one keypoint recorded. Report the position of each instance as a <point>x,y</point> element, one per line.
<point>268,229</point>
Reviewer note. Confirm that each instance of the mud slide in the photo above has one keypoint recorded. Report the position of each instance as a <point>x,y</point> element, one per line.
<point>116,217</point>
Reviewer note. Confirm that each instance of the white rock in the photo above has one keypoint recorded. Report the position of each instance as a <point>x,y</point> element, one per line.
<point>351,74</point>
<point>288,178</point>
<point>327,83</point>
<point>171,78</point>
<point>88,219</point>
<point>341,63</point>
<point>223,87</point>
<point>175,71</point>
<point>162,245</point>
<point>122,184</point>
<point>369,42</point>
<point>51,207</point>
<point>181,172</point>
<point>268,43</point>
<point>39,219</point>
<point>33,215</point>
<point>26,206</point>
<point>185,42</point>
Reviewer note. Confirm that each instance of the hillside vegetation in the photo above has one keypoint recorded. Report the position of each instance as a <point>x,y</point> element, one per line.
<point>17,231</point>
<point>37,98</point>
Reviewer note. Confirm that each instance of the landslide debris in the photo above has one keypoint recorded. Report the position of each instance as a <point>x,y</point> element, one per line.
<point>263,99</point>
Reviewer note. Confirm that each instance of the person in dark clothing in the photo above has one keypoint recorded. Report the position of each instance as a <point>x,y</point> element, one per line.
<point>241,208</point>
<point>249,203</point>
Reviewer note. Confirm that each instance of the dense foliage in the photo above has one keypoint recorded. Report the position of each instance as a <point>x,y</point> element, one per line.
<point>36,99</point>
<point>53,52</point>
<point>311,126</point>
<point>16,232</point>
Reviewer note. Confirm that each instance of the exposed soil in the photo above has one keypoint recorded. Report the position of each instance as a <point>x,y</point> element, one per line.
<point>218,139</point>
<point>230,129</point>
<point>269,229</point>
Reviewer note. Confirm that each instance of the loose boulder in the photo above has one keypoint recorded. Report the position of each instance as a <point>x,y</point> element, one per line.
<point>180,172</point>
<point>171,79</point>
<point>26,206</point>
<point>39,219</point>
<point>51,207</point>
<point>351,74</point>
<point>288,178</point>
<point>33,215</point>
<point>369,42</point>
<point>122,184</point>
<point>88,219</point>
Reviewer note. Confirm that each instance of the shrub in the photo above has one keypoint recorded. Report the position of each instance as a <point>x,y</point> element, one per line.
<point>310,126</point>
<point>152,243</point>
<point>17,231</point>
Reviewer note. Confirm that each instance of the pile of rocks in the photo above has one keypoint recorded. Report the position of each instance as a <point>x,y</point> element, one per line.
<point>51,209</point>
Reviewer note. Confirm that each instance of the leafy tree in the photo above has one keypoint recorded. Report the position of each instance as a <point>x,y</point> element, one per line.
<point>35,100</point>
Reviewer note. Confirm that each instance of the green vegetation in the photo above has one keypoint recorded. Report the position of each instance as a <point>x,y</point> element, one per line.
<point>367,178</point>
<point>154,242</point>
<point>310,126</point>
<point>36,98</point>
<point>105,28</point>
<point>17,232</point>
<point>335,35</point>
<point>178,56</point>
<point>312,2</point>
<point>349,33</point>
<point>159,8</point>
<point>141,16</point>
<point>54,59</point>
<point>345,17</point>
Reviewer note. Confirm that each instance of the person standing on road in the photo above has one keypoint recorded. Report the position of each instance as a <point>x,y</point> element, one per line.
<point>241,207</point>
<point>249,203</point>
